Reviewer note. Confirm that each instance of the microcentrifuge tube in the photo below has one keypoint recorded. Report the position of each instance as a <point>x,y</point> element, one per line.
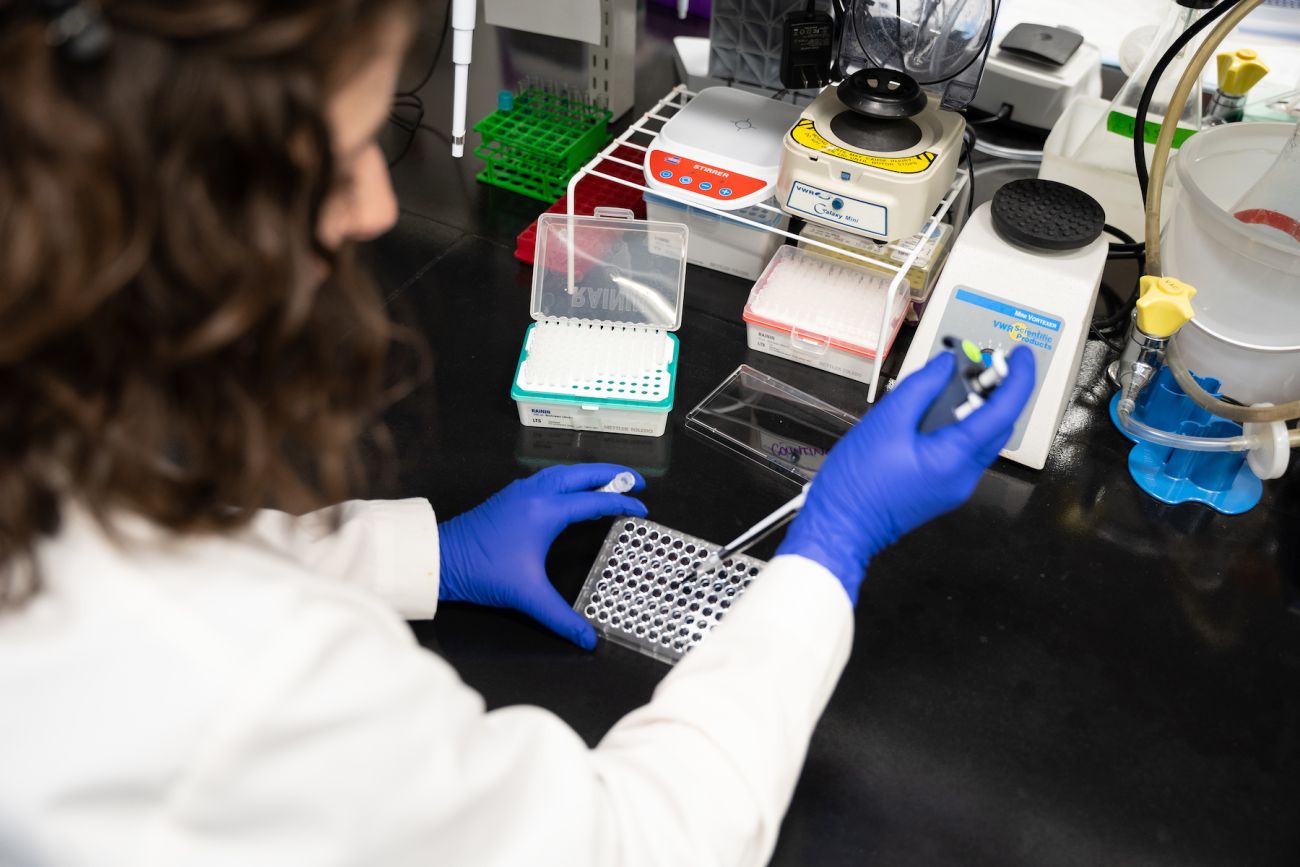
<point>621,484</point>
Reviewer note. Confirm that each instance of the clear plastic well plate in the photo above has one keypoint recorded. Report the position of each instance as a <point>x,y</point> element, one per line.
<point>640,593</point>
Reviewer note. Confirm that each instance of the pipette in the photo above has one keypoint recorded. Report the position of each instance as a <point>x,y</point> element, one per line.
<point>463,14</point>
<point>755,534</point>
<point>971,383</point>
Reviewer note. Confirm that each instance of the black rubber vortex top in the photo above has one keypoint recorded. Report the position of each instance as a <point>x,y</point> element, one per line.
<point>1047,215</point>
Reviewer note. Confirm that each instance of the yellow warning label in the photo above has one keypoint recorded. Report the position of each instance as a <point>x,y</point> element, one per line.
<point>805,133</point>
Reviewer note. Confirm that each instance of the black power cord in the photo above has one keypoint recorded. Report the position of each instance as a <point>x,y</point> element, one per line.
<point>969,140</point>
<point>1124,237</point>
<point>1113,301</point>
<point>1105,328</point>
<point>437,55</point>
<point>1148,93</point>
<point>1128,248</point>
<point>1002,114</point>
<point>410,100</point>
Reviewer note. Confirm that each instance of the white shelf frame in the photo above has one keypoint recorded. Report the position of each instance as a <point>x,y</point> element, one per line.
<point>648,126</point>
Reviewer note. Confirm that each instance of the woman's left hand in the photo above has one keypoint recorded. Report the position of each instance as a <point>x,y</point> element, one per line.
<point>495,554</point>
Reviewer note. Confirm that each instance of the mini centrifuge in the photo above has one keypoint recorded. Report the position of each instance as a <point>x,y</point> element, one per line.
<point>881,178</point>
<point>876,153</point>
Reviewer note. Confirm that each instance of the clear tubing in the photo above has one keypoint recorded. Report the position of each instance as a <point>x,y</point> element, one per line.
<point>1178,441</point>
<point>1221,408</point>
<point>1191,79</point>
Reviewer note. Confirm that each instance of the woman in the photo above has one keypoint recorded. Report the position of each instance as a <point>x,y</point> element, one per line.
<point>192,679</point>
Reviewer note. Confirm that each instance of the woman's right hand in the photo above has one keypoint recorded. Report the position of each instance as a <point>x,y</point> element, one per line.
<point>886,478</point>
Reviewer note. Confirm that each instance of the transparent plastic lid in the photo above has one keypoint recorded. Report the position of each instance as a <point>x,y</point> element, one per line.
<point>610,269</point>
<point>767,421</point>
<point>941,43</point>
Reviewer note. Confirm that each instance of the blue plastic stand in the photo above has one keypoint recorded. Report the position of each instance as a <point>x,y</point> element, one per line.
<point>1221,480</point>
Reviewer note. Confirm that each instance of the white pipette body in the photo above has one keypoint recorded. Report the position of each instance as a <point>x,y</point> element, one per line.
<point>463,16</point>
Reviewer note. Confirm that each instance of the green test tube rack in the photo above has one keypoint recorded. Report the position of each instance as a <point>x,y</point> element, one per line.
<point>535,147</point>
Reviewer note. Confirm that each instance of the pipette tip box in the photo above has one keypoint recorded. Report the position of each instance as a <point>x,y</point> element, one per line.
<point>920,277</point>
<point>823,313</point>
<point>640,593</point>
<point>721,243</point>
<point>601,355</point>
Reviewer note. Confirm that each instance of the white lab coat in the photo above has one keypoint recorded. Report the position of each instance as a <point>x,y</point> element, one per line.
<point>257,700</point>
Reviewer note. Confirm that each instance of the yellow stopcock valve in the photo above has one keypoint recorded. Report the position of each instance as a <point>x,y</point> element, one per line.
<point>1239,71</point>
<point>1165,305</point>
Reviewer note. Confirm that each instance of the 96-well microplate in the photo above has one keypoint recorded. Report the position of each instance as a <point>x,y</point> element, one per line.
<point>640,592</point>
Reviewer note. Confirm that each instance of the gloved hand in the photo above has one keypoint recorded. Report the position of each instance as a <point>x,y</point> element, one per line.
<point>495,554</point>
<point>886,478</point>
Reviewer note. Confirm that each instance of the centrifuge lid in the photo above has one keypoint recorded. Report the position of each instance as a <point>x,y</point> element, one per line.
<point>941,44</point>
<point>930,40</point>
<point>625,271</point>
<point>722,150</point>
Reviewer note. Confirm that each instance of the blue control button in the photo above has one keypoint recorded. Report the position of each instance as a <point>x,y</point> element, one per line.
<point>666,174</point>
<point>706,186</point>
<point>685,180</point>
<point>725,192</point>
<point>837,204</point>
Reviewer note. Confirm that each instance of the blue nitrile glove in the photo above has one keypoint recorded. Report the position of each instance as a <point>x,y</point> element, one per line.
<point>495,554</point>
<point>886,478</point>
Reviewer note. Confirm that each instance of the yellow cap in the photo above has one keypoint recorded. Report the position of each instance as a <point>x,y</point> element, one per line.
<point>1165,305</point>
<point>1239,71</point>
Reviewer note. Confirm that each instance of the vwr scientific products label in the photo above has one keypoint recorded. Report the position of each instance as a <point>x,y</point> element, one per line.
<point>828,207</point>
<point>1034,329</point>
<point>994,323</point>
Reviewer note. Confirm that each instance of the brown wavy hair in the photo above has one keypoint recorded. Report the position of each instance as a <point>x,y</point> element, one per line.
<point>167,347</point>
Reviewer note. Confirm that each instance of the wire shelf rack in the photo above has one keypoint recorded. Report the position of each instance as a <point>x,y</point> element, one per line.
<point>640,135</point>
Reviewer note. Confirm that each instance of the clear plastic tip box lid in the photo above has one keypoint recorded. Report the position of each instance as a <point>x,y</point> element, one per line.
<point>624,271</point>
